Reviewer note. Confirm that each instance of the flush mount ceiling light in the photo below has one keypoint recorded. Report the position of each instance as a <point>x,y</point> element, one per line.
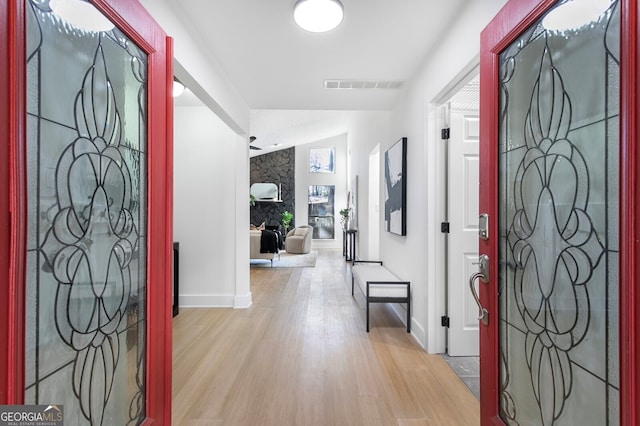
<point>318,16</point>
<point>575,14</point>
<point>178,87</point>
<point>81,14</point>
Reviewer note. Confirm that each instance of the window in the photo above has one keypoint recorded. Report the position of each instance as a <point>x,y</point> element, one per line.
<point>321,211</point>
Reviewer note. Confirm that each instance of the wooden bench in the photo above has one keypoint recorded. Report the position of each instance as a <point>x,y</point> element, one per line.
<point>379,285</point>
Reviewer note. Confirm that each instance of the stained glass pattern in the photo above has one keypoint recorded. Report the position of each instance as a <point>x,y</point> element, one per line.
<point>558,250</point>
<point>86,255</point>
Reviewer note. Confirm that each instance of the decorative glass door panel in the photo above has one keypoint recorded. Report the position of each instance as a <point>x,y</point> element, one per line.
<point>86,236</point>
<point>558,220</point>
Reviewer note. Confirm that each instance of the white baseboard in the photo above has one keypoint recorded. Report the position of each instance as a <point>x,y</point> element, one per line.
<point>418,333</point>
<point>242,301</point>
<point>417,330</point>
<point>206,301</point>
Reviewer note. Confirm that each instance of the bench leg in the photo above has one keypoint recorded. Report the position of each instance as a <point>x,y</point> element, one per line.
<point>367,315</point>
<point>408,317</point>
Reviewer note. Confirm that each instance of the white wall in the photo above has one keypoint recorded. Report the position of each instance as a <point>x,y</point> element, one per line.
<point>210,167</point>
<point>210,146</point>
<point>373,213</point>
<point>240,236</point>
<point>411,257</point>
<point>368,129</point>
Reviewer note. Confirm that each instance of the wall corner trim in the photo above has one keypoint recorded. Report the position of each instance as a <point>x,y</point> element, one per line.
<point>242,301</point>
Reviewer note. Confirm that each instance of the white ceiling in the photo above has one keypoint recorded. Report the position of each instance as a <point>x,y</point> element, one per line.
<point>276,65</point>
<point>279,69</point>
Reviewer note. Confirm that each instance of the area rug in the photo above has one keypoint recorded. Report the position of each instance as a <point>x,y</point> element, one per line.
<point>288,260</point>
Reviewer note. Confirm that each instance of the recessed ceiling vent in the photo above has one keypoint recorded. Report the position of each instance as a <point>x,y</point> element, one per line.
<point>363,84</point>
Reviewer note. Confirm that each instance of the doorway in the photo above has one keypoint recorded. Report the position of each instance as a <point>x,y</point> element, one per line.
<point>458,117</point>
<point>458,121</point>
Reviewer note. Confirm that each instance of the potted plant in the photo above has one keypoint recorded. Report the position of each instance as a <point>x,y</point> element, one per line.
<point>344,217</point>
<point>286,220</point>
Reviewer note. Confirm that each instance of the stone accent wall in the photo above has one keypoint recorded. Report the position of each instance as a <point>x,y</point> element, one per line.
<point>279,168</point>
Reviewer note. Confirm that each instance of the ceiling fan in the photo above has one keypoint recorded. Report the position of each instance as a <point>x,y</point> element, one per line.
<point>251,140</point>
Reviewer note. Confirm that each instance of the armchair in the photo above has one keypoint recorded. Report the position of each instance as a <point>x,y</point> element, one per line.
<point>298,240</point>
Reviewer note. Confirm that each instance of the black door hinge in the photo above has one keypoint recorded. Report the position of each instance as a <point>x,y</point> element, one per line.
<point>445,133</point>
<point>444,227</point>
<point>444,321</point>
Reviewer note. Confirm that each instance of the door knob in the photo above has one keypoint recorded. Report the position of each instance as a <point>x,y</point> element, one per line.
<point>483,314</point>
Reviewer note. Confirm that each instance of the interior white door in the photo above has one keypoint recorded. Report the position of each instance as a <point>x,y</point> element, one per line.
<point>463,231</point>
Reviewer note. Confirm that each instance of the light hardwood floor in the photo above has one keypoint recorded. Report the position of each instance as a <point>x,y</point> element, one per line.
<point>300,355</point>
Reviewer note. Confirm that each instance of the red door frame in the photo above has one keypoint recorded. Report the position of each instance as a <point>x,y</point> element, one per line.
<point>511,21</point>
<point>12,206</point>
<point>135,21</point>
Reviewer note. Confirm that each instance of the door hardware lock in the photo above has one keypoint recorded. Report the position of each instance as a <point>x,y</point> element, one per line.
<point>483,226</point>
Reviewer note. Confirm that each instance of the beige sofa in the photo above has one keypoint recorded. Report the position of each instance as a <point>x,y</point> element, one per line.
<point>298,240</point>
<point>254,247</point>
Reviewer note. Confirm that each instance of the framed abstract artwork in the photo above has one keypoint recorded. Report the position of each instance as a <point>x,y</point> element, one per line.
<point>395,200</point>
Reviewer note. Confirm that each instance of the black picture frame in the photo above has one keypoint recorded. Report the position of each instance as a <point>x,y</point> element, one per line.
<point>395,178</point>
